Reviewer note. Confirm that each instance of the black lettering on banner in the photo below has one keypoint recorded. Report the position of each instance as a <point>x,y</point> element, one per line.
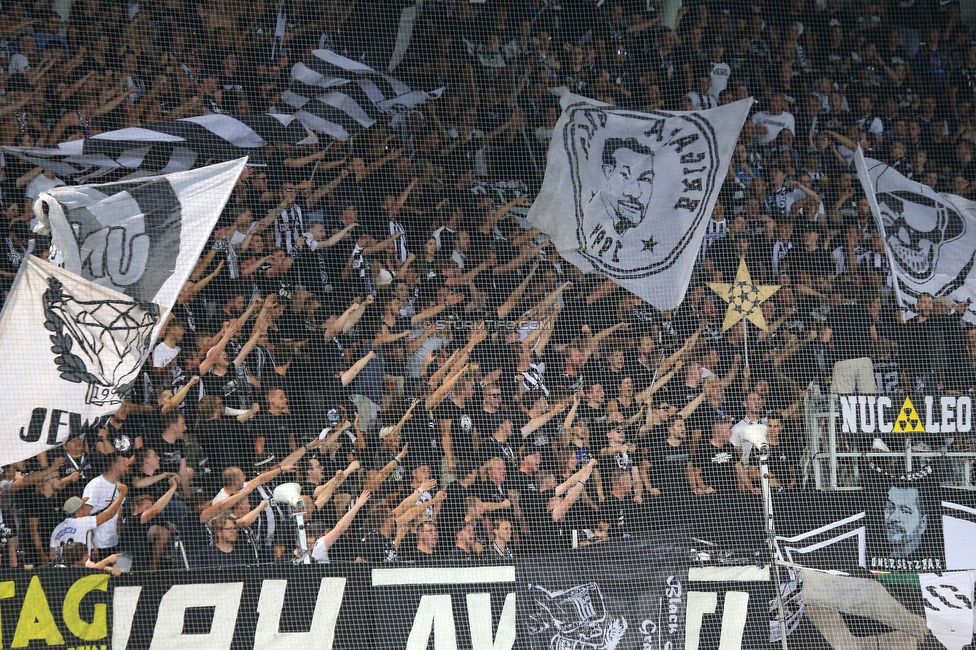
<point>684,203</point>
<point>33,432</point>
<point>694,185</point>
<point>684,141</point>
<point>657,129</point>
<point>691,157</point>
<point>60,608</point>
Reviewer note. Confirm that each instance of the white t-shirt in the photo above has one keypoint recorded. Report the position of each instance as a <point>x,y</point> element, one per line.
<point>163,354</point>
<point>18,63</point>
<point>41,183</point>
<point>222,495</point>
<point>720,78</point>
<point>100,495</point>
<point>737,441</point>
<point>74,529</point>
<point>320,553</point>
<point>774,124</point>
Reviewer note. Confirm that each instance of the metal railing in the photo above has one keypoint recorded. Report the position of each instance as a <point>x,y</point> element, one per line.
<point>832,458</point>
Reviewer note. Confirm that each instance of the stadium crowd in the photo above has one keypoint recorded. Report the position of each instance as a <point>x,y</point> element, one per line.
<point>375,321</point>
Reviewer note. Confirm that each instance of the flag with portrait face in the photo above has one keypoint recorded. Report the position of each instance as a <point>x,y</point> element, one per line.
<point>629,194</point>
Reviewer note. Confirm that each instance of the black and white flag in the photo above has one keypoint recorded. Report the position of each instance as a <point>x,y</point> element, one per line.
<point>629,194</point>
<point>592,598</point>
<point>142,237</point>
<point>72,350</point>
<point>341,97</point>
<point>166,147</point>
<point>930,237</point>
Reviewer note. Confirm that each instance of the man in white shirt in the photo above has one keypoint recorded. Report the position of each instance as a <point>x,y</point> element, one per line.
<point>80,523</point>
<point>100,493</point>
<point>164,354</point>
<point>753,405</point>
<point>770,123</point>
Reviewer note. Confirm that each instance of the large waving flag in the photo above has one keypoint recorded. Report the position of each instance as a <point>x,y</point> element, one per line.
<point>341,97</point>
<point>142,237</point>
<point>629,194</point>
<point>167,147</point>
<point>930,237</point>
<point>81,346</point>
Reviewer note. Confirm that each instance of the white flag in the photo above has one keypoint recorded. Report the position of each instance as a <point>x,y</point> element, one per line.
<point>72,349</point>
<point>139,237</point>
<point>930,237</point>
<point>629,194</point>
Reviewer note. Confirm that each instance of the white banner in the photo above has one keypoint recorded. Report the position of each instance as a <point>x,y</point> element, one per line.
<point>930,237</point>
<point>629,194</point>
<point>949,606</point>
<point>71,349</point>
<point>139,237</point>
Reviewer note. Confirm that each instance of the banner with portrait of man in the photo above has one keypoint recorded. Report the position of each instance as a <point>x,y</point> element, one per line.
<point>629,194</point>
<point>904,522</point>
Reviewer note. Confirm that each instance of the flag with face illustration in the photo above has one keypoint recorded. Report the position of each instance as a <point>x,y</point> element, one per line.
<point>629,194</point>
<point>930,237</point>
<point>84,345</point>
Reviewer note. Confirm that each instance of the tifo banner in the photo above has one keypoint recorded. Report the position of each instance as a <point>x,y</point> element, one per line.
<point>86,343</point>
<point>930,237</point>
<point>140,237</point>
<point>596,598</point>
<point>733,606</point>
<point>450,606</point>
<point>901,523</point>
<point>630,194</point>
<point>166,147</point>
<point>59,608</point>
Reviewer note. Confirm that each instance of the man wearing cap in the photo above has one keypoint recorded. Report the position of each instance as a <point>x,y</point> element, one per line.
<point>80,524</point>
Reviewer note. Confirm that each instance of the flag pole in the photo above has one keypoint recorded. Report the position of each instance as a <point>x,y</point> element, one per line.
<point>745,339</point>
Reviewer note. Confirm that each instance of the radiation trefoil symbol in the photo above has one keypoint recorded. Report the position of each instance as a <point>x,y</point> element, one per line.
<point>101,343</point>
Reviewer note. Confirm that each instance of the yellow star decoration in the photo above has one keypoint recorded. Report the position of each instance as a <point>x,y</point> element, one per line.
<point>744,298</point>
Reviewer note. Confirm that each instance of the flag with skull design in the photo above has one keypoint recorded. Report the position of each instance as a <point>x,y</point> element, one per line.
<point>629,194</point>
<point>929,237</point>
<point>86,345</point>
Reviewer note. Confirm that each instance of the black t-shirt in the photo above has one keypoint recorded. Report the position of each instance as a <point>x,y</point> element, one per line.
<point>610,463</point>
<point>717,466</point>
<point>377,548</point>
<point>491,448</point>
<point>276,430</point>
<point>134,541</point>
<point>170,453</point>
<point>669,467</point>
<point>46,510</point>
<point>225,442</point>
<point>782,457</point>
<point>623,516</point>
<point>424,436</point>
<point>850,326</point>
<point>462,434</point>
<point>232,388</point>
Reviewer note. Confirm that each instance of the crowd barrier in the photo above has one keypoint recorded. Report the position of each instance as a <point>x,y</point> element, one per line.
<point>636,593</point>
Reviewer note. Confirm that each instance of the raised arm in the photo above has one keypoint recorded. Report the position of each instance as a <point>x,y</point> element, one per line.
<point>343,524</point>
<point>113,509</point>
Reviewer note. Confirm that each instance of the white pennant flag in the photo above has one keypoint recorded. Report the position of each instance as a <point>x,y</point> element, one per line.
<point>629,194</point>
<point>82,347</point>
<point>930,238</point>
<point>139,237</point>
